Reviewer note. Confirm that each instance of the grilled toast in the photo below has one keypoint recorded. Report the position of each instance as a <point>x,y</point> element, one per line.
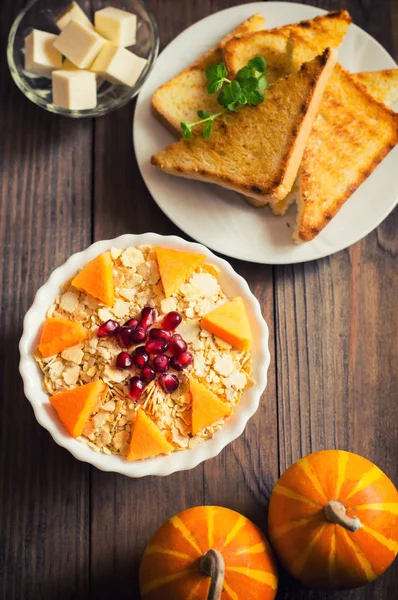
<point>382,85</point>
<point>322,32</point>
<point>180,98</point>
<point>257,149</point>
<point>351,135</point>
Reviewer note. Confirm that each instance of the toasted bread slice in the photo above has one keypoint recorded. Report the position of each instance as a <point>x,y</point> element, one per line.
<point>271,44</point>
<point>257,149</point>
<point>350,137</point>
<point>322,32</point>
<point>180,98</point>
<point>382,85</point>
<point>319,33</point>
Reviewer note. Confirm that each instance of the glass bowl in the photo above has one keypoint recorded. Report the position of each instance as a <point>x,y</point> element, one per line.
<point>41,14</point>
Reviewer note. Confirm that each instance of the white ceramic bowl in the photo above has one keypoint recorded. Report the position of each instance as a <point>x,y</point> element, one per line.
<point>231,283</point>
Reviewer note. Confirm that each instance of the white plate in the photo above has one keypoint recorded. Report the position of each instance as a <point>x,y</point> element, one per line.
<point>221,219</point>
<point>232,284</point>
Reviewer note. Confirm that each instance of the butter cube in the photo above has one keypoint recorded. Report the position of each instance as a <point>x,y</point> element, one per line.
<point>118,65</point>
<point>116,25</point>
<point>79,43</point>
<point>67,65</point>
<point>41,58</point>
<point>72,12</point>
<point>76,90</point>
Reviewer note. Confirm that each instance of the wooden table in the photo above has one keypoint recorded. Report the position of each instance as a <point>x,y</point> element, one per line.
<point>69,531</point>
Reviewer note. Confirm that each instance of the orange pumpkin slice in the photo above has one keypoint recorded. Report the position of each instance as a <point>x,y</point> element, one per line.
<point>74,407</point>
<point>212,269</point>
<point>175,267</point>
<point>96,279</point>
<point>207,408</point>
<point>146,439</point>
<point>59,334</point>
<point>230,323</point>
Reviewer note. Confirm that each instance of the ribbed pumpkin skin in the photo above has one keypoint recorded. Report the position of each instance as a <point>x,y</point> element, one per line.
<point>319,553</point>
<point>170,566</point>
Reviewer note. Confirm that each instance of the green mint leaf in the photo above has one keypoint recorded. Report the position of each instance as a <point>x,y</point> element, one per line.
<point>243,97</point>
<point>243,73</point>
<point>235,90</point>
<point>229,94</point>
<point>222,70</point>
<point>250,84</point>
<point>224,97</point>
<point>214,86</point>
<point>212,72</point>
<point>262,83</point>
<point>255,97</point>
<point>202,114</point>
<point>258,63</point>
<point>215,72</point>
<point>207,129</point>
<point>186,130</point>
<point>233,106</point>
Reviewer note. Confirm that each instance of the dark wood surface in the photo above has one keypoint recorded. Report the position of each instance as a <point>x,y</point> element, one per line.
<point>69,531</point>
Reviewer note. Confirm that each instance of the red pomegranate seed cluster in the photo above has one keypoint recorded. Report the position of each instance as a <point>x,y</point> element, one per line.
<point>150,358</point>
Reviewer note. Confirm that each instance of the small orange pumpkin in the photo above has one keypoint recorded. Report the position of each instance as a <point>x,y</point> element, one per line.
<point>208,553</point>
<point>333,520</point>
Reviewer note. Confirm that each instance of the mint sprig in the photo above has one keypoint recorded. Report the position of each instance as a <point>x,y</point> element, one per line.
<point>246,88</point>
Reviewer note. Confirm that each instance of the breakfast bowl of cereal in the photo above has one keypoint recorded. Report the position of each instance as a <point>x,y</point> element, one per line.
<point>144,355</point>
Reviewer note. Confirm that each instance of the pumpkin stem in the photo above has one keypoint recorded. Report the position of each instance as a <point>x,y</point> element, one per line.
<point>336,512</point>
<point>212,564</point>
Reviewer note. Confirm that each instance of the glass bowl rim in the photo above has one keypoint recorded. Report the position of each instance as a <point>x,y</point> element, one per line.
<point>76,114</point>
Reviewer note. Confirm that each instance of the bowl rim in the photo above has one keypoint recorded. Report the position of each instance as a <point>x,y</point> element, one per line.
<point>163,465</point>
<point>92,112</point>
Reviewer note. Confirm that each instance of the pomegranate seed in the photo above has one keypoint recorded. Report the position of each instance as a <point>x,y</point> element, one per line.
<point>108,328</point>
<point>148,317</point>
<point>175,364</point>
<point>123,360</point>
<point>136,387</point>
<point>148,374</point>
<point>185,358</point>
<point>161,363</point>
<point>140,357</point>
<point>133,323</point>
<point>172,320</point>
<point>168,382</point>
<point>156,346</point>
<point>159,333</point>
<point>181,362</point>
<point>124,335</point>
<point>177,344</point>
<point>139,335</point>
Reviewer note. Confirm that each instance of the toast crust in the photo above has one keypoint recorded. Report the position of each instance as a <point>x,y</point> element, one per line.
<point>328,60</point>
<point>196,70</point>
<point>328,29</point>
<point>210,160</point>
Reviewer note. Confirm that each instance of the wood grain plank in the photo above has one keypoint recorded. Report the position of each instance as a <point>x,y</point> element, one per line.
<point>243,475</point>
<point>44,217</point>
<point>336,333</point>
